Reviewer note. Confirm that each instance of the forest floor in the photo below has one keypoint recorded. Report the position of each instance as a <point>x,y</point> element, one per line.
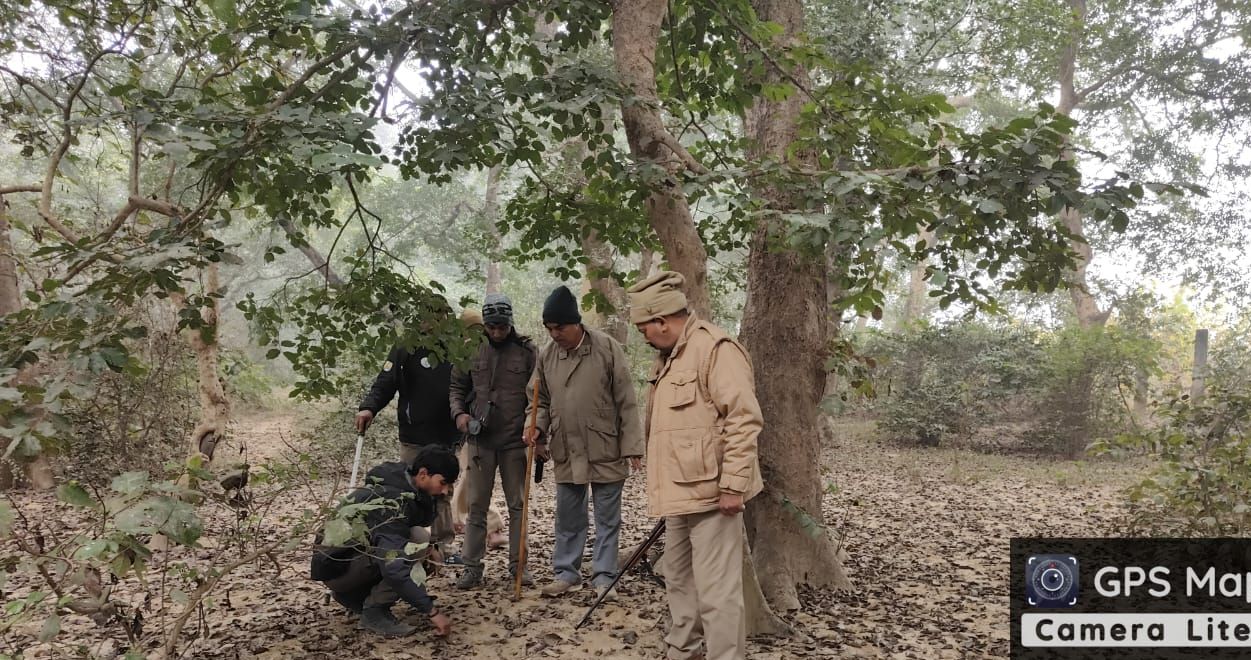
<point>927,533</point>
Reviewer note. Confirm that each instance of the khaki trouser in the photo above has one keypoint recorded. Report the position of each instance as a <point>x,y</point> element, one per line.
<point>441,532</point>
<point>460,496</point>
<point>703,566</point>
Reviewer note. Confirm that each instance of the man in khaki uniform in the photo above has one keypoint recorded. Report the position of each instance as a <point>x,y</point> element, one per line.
<point>588,424</point>
<point>702,423</point>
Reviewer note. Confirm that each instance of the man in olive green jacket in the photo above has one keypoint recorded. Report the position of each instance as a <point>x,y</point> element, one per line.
<point>703,420</point>
<point>588,425</point>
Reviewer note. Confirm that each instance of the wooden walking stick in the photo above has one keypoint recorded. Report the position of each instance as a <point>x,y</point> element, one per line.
<point>525,497</point>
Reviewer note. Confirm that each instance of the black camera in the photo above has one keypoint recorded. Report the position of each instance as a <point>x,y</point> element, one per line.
<point>476,424</point>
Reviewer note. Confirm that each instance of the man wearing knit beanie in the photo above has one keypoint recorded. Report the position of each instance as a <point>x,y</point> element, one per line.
<point>472,320</point>
<point>703,420</point>
<point>488,404</point>
<point>588,425</point>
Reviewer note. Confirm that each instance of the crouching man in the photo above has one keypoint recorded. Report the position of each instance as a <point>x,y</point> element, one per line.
<point>369,579</point>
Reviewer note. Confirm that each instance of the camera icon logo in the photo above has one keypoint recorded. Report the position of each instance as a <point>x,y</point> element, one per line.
<point>1051,580</point>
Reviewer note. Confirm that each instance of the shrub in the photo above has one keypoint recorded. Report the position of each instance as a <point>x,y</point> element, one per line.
<point>136,419</point>
<point>1201,484</point>
<point>1086,384</point>
<point>946,381</point>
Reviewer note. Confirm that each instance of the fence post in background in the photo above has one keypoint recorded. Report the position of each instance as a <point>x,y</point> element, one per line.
<point>1200,369</point>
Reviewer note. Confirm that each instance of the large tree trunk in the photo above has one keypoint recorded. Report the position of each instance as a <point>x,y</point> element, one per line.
<point>784,329</point>
<point>38,469</point>
<point>635,31</point>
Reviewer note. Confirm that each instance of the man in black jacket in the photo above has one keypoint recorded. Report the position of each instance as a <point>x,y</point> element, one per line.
<point>422,411</point>
<point>370,579</point>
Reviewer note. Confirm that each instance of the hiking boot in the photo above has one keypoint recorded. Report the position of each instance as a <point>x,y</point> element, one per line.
<point>353,605</point>
<point>527,580</point>
<point>559,588</point>
<point>381,621</point>
<point>612,595</point>
<point>472,577</point>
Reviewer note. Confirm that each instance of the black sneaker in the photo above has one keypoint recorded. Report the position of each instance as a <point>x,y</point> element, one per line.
<point>472,577</point>
<point>353,605</point>
<point>380,620</point>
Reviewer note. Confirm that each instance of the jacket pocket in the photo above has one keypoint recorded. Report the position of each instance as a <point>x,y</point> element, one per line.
<point>693,456</point>
<point>680,389</point>
<point>602,443</point>
<point>556,441</point>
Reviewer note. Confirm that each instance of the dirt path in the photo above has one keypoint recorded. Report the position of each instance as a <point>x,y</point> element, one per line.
<point>927,541</point>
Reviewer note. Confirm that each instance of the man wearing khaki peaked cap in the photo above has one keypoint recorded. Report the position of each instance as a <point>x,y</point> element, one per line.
<point>702,423</point>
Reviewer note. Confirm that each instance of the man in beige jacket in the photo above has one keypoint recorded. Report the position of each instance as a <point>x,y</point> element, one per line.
<point>588,424</point>
<point>702,423</point>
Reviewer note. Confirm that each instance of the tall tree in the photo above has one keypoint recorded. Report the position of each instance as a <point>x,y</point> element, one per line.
<point>785,331</point>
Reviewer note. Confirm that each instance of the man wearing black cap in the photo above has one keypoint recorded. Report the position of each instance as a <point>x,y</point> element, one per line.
<point>488,404</point>
<point>589,426</point>
<point>369,578</point>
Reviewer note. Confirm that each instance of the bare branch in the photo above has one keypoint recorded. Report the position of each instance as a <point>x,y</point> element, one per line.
<point>9,190</point>
<point>23,80</point>
<point>320,264</point>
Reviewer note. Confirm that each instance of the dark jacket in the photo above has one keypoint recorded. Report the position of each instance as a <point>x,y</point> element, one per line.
<point>423,389</point>
<point>496,380</point>
<point>389,532</point>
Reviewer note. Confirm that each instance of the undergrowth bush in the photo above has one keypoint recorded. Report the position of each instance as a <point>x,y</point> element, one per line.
<point>136,419</point>
<point>1064,388</point>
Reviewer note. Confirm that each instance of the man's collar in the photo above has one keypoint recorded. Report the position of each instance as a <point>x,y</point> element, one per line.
<point>582,347</point>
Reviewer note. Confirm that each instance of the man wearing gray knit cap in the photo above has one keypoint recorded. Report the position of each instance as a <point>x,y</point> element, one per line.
<point>488,404</point>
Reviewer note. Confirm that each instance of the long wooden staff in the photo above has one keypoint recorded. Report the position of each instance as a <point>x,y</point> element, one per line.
<point>531,424</point>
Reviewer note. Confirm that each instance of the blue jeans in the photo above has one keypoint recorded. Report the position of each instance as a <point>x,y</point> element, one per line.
<point>571,528</point>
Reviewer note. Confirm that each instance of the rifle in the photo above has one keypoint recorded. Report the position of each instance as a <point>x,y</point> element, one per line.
<point>636,557</point>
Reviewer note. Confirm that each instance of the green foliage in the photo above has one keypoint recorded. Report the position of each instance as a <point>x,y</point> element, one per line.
<point>1088,381</point>
<point>948,381</point>
<point>373,311</point>
<point>1065,388</point>
<point>1201,481</point>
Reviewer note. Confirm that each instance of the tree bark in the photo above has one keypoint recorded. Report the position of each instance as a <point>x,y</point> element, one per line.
<point>490,213</point>
<point>38,470</point>
<point>214,404</point>
<point>785,330</point>
<point>599,278</point>
<point>1084,304</point>
<point>635,34</point>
